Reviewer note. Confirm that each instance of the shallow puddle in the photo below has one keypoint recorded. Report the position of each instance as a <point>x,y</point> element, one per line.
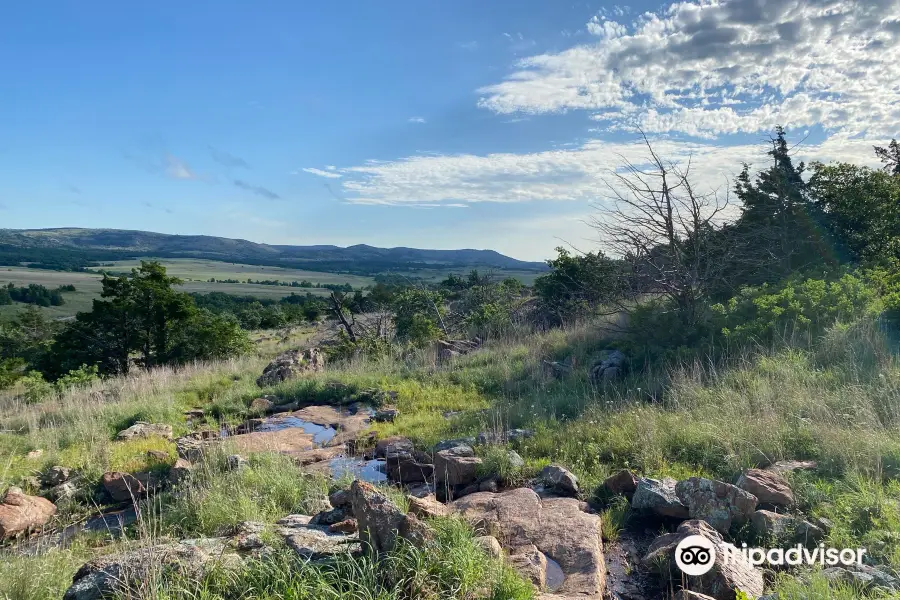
<point>358,468</point>
<point>322,434</point>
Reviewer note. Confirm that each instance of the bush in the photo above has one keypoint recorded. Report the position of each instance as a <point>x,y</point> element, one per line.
<point>37,389</point>
<point>80,377</point>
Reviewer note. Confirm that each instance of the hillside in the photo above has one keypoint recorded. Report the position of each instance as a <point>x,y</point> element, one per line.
<point>118,244</point>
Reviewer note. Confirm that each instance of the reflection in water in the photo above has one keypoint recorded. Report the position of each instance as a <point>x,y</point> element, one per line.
<point>357,468</point>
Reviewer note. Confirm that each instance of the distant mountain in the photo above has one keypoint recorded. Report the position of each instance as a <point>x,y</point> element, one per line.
<point>112,244</point>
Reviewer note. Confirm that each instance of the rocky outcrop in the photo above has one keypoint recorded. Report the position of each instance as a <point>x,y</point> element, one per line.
<point>864,577</point>
<point>404,465</point>
<point>769,487</point>
<point>658,496</point>
<point>610,368</point>
<point>502,437</point>
<point>119,573</point>
<point>560,480</point>
<point>20,513</point>
<point>725,576</point>
<point>456,466</point>
<point>290,364</point>
<point>314,542</point>
<point>786,530</point>
<point>449,349</point>
<point>623,483</point>
<point>125,487</point>
<point>191,448</point>
<point>381,523</point>
<point>718,503</point>
<point>427,507</point>
<point>557,528</point>
<point>142,429</point>
<point>56,475</point>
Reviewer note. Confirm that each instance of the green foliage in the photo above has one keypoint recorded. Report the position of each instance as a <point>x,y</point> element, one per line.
<point>207,336</point>
<point>36,388</point>
<point>418,315</point>
<point>11,369</point>
<point>80,377</point>
<point>577,285</point>
<point>765,313</point>
<point>34,294</point>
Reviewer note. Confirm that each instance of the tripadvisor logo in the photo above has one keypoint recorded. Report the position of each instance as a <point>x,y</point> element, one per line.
<point>696,555</point>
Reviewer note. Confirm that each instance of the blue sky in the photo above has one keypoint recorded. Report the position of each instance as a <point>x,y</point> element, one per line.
<point>445,125</point>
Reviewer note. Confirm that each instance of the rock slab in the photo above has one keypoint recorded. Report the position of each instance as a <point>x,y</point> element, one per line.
<point>20,513</point>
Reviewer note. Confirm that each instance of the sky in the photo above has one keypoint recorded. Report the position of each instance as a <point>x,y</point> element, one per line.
<point>464,124</point>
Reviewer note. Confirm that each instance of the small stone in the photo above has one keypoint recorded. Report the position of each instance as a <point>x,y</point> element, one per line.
<point>386,415</point>
<point>623,483</point>
<point>142,429</point>
<point>488,485</point>
<point>769,487</point>
<point>261,405</point>
<point>195,413</point>
<point>339,499</point>
<point>235,462</point>
<point>346,526</point>
<point>561,479</point>
<point>158,456</point>
<point>427,507</point>
<point>56,475</point>
<point>490,545</point>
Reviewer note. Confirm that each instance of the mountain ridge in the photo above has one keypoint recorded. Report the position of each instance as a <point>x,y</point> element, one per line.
<point>122,242</point>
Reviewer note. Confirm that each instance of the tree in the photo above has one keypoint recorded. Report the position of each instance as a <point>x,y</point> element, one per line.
<point>207,336</point>
<point>862,210</point>
<point>777,233</point>
<point>418,315</point>
<point>890,156</point>
<point>577,285</point>
<point>663,230</point>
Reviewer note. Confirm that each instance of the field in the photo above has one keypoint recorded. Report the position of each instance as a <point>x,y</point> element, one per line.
<point>195,274</point>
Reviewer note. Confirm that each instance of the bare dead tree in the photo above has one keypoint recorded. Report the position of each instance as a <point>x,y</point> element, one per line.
<point>337,307</point>
<point>664,230</point>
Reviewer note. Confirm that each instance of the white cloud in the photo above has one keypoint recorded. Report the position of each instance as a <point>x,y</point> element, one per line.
<point>416,119</point>
<point>330,174</point>
<point>571,174</point>
<point>713,67</point>
<point>178,169</point>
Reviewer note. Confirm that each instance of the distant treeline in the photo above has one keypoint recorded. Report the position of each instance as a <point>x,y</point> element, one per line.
<point>263,313</point>
<point>34,294</point>
<point>334,287</point>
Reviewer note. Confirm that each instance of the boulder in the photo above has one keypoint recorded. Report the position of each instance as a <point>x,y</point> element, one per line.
<point>124,574</point>
<point>769,487</point>
<point>659,497</point>
<point>609,369</point>
<point>347,526</point>
<point>235,462</point>
<point>427,507</point>
<point>65,490</point>
<point>313,542</point>
<point>623,483</point>
<point>125,487</point>
<point>863,577</point>
<point>558,528</point>
<point>393,444</point>
<point>722,580</point>
<point>290,364</point>
<point>180,471</point>
<point>560,479</point>
<point>402,464</point>
<point>380,521</point>
<point>718,503</point>
<point>530,563</point>
<point>329,516</point>
<point>20,513</point>
<point>261,405</point>
<point>489,544</point>
<point>158,456</point>
<point>339,498</point>
<point>191,448</point>
<point>386,415</point>
<point>195,413</point>
<point>787,530</point>
<point>142,429</point>
<point>56,475</point>
<point>457,466</point>
<point>447,444</point>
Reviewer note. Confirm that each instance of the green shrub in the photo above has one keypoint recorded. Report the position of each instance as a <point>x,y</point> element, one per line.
<point>37,389</point>
<point>80,377</point>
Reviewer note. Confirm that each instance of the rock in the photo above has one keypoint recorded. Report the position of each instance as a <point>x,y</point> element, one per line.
<point>31,483</point>
<point>557,527</point>
<point>290,364</point>
<point>158,456</point>
<point>235,462</point>
<point>863,577</point>
<point>142,429</point>
<point>427,507</point>
<point>721,581</point>
<point>329,516</point>
<point>447,444</point>
<point>56,475</point>
<point>560,479</point>
<point>251,541</point>
<point>787,466</point>
<point>313,542</point>
<point>718,503</point>
<point>769,487</point>
<point>530,563</point>
<point>394,444</point>
<point>514,459</point>
<point>420,490</point>
<point>623,483</point>
<point>346,526</point>
<point>457,466</point>
<point>785,529</point>
<point>195,413</point>
<point>117,574</point>
<point>502,437</point>
<point>180,471</point>
<point>261,405</point>
<point>402,464</point>
<point>659,497</point>
<point>490,484</point>
<point>609,369</point>
<point>125,487</point>
<point>380,521</point>
<point>35,453</point>
<point>340,499</point>
<point>20,513</point>
<point>63,491</point>
<point>386,415</point>
<point>489,544</point>
<point>190,448</point>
